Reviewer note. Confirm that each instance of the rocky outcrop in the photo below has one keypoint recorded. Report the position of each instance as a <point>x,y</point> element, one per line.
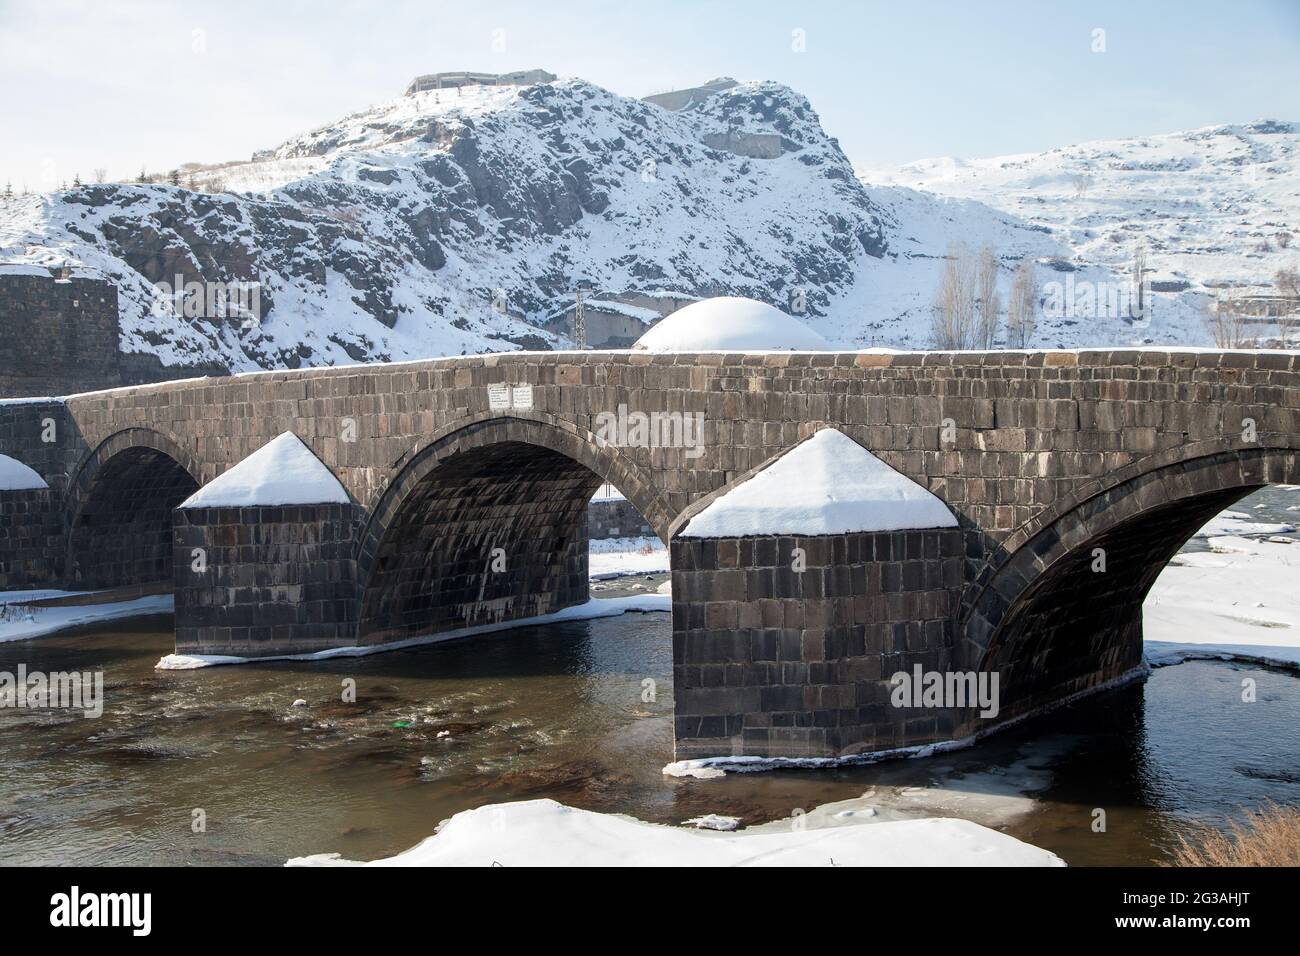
<point>459,221</point>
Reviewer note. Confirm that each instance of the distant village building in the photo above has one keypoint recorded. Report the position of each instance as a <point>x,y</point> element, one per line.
<point>444,81</point>
<point>616,320</point>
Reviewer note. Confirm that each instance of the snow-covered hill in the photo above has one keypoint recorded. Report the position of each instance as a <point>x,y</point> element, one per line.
<point>460,221</point>
<point>1216,207</point>
<point>452,222</point>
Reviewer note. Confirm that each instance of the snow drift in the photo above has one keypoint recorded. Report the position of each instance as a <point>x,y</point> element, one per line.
<point>546,833</point>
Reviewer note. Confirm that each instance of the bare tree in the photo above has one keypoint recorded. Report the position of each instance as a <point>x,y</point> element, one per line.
<point>143,177</point>
<point>1022,305</point>
<point>988,302</point>
<point>1287,282</point>
<point>101,174</point>
<point>953,312</point>
<point>1139,288</point>
<point>1226,322</point>
<point>1081,183</point>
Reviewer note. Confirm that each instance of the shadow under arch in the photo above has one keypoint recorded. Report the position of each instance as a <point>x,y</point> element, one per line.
<point>119,507</point>
<point>487,523</point>
<point>1062,613</point>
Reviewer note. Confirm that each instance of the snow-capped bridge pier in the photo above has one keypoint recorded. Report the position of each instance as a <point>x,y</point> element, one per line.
<point>999,512</point>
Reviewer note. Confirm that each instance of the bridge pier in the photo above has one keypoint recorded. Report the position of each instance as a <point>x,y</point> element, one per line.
<point>263,581</point>
<point>31,540</point>
<point>784,646</point>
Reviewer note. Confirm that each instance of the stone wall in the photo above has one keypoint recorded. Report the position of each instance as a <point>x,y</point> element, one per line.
<point>784,646</point>
<point>31,540</point>
<point>57,336</point>
<point>44,437</point>
<point>142,368</point>
<point>62,336</point>
<point>264,581</point>
<point>615,518</point>
<point>33,544</point>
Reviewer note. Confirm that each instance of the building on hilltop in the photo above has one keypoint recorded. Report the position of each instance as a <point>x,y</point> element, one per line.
<point>443,81</point>
<point>680,99</point>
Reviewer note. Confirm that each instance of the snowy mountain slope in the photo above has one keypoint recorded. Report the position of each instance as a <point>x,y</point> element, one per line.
<point>454,222</point>
<point>896,309</point>
<point>1209,203</point>
<point>445,223</point>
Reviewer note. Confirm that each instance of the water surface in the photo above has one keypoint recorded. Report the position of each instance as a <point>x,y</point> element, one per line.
<point>558,711</point>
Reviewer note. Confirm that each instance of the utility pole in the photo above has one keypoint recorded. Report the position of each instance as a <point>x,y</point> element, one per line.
<point>579,324</point>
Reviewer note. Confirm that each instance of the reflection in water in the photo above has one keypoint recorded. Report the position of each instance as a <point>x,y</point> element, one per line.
<point>558,712</point>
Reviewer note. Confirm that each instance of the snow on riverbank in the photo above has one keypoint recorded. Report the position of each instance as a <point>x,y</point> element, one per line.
<point>1239,523</point>
<point>38,594</point>
<point>610,607</point>
<point>21,622</point>
<point>1238,601</point>
<point>620,557</point>
<point>546,833</point>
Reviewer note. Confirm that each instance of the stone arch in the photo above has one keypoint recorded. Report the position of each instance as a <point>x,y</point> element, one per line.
<point>535,428</point>
<point>1049,623</point>
<point>703,501</point>
<point>518,484</point>
<point>120,503</point>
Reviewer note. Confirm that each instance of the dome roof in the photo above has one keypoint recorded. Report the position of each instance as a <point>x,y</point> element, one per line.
<point>730,324</point>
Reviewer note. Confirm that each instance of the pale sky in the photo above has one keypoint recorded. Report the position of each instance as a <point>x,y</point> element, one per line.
<point>85,85</point>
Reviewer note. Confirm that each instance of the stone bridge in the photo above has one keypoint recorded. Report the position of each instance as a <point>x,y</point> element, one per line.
<point>1043,457</point>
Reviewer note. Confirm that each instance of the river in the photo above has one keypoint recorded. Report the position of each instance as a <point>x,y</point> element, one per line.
<point>558,711</point>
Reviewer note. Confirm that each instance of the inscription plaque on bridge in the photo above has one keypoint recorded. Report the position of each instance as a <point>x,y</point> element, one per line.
<point>504,397</point>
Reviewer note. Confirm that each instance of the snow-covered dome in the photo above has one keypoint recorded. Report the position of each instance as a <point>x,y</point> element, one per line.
<point>730,323</point>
